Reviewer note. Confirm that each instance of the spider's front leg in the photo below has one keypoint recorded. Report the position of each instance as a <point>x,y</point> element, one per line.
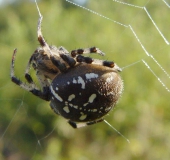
<point>45,94</point>
<point>44,83</point>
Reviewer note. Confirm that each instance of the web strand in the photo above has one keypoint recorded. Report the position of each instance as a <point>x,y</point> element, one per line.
<point>144,8</point>
<point>166,3</point>
<point>135,34</point>
<point>156,75</point>
<point>116,131</point>
<point>142,60</point>
<point>98,14</point>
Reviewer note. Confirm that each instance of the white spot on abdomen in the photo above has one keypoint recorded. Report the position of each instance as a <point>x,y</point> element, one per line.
<point>72,96</point>
<point>81,81</point>
<point>82,117</point>
<point>66,109</point>
<point>76,107</point>
<point>91,98</point>
<point>85,104</point>
<point>55,94</point>
<point>94,110</point>
<point>74,81</point>
<point>91,75</point>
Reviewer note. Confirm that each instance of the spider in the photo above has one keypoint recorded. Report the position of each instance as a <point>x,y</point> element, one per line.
<point>80,89</point>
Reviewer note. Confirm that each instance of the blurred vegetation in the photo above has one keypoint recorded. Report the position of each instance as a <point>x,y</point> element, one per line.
<point>28,127</point>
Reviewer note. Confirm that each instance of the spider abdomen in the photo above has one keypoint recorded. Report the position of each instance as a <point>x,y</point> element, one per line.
<point>86,92</point>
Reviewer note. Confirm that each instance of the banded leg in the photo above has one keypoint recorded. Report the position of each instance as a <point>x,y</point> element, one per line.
<point>41,39</point>
<point>65,58</point>
<point>44,83</point>
<point>79,125</point>
<point>109,64</point>
<point>42,79</point>
<point>81,58</point>
<point>89,60</point>
<point>69,60</point>
<point>58,63</point>
<point>27,75</point>
<point>64,54</point>
<point>27,87</point>
<point>86,51</point>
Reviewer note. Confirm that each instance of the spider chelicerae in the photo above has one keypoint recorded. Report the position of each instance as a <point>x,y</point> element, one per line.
<point>80,89</point>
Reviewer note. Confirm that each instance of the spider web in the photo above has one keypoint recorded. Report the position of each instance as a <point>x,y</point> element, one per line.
<point>138,42</point>
<point>129,26</point>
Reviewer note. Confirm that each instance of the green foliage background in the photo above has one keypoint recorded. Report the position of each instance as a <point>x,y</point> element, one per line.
<point>28,127</point>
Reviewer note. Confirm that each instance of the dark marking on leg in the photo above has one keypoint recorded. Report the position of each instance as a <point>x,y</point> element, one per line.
<point>93,50</point>
<point>42,41</point>
<point>28,78</point>
<point>109,64</point>
<point>70,61</point>
<point>61,66</point>
<point>43,95</point>
<point>81,58</point>
<point>73,53</point>
<point>73,124</point>
<point>80,51</point>
<point>16,80</point>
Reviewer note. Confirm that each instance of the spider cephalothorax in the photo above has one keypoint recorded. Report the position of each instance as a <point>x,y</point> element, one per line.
<point>80,89</point>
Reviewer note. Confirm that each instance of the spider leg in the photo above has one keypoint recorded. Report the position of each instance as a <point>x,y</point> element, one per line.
<point>109,64</point>
<point>58,63</point>
<point>42,79</point>
<point>29,87</point>
<point>64,54</point>
<point>89,60</point>
<point>43,82</point>
<point>79,125</point>
<point>86,51</point>
<point>69,60</point>
<point>41,39</point>
<point>61,48</point>
<point>27,75</point>
<point>81,58</point>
